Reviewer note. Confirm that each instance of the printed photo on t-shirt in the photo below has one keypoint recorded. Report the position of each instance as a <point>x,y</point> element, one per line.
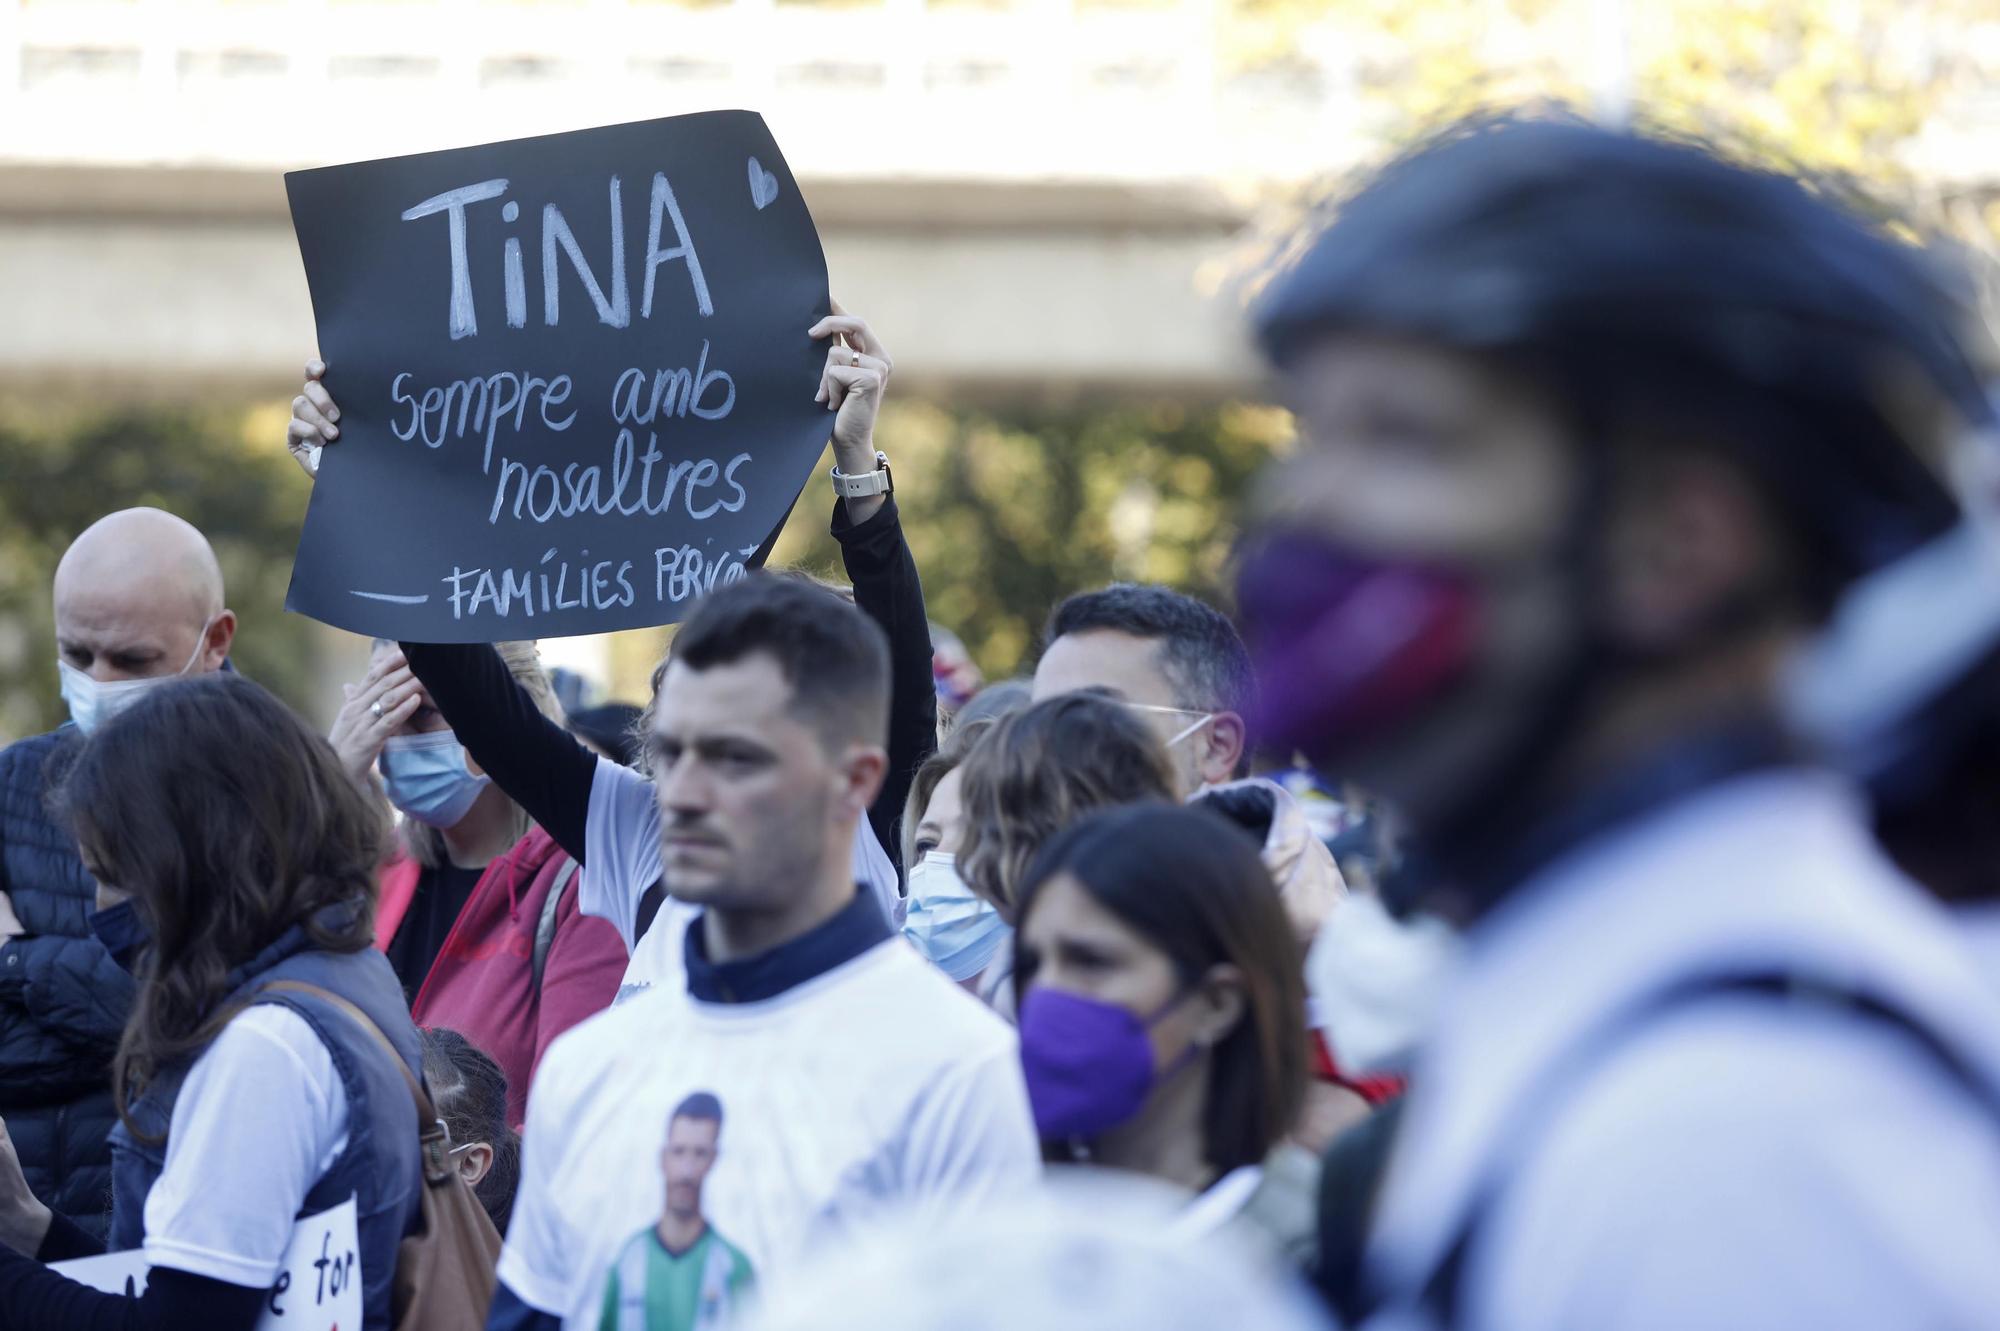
<point>680,1273</point>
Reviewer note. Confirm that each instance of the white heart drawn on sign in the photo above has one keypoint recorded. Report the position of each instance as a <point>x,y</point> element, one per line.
<point>763,185</point>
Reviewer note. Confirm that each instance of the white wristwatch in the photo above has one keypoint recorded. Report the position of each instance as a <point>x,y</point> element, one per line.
<point>876,482</point>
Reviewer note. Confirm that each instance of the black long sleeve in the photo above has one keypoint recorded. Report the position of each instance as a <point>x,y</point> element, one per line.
<point>540,765</point>
<point>66,1241</point>
<point>34,1298</point>
<point>547,772</point>
<point>887,589</point>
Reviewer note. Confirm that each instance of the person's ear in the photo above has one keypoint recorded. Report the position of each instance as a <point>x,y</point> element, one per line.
<point>1222,742</point>
<point>215,646</point>
<point>1220,1002</point>
<point>474,1162</point>
<point>1688,540</point>
<point>859,777</point>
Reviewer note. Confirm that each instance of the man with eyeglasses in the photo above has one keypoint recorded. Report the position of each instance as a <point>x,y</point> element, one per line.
<point>1182,665</point>
<point>1178,662</point>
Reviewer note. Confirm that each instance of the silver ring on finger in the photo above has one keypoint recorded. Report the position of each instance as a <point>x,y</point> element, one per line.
<point>375,710</point>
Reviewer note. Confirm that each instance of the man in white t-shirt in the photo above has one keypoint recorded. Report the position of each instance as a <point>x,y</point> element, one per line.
<point>860,1082</point>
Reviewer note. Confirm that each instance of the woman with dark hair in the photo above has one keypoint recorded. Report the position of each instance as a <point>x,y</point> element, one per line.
<point>470,1092</point>
<point>1162,1010</point>
<point>266,1072</point>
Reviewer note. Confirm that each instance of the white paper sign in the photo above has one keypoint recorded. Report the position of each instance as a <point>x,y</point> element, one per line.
<point>318,1288</point>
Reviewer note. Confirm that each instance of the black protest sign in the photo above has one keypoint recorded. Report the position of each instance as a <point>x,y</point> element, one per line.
<point>574,376</point>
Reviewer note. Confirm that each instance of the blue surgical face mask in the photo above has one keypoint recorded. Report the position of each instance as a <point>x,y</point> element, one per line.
<point>426,777</point>
<point>91,703</point>
<point>958,930</point>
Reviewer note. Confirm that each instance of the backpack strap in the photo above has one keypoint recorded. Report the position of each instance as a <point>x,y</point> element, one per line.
<point>1441,1296</point>
<point>545,927</point>
<point>434,1139</point>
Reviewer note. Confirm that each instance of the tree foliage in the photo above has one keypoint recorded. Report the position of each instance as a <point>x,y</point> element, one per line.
<point>1008,512</point>
<point>61,472</point>
<point>1011,509</point>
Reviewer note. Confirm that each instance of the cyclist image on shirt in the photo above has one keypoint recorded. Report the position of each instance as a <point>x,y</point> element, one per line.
<point>680,1274</point>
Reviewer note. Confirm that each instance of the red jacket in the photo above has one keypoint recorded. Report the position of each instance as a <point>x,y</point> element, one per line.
<point>482,984</point>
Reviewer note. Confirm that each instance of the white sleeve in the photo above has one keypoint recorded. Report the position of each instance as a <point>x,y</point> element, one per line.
<point>261,1117</point>
<point>621,847</point>
<point>876,874</point>
<point>534,1262</point>
<point>972,1136</point>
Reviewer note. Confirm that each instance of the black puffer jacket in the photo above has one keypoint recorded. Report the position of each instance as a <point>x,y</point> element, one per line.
<point>63,1001</point>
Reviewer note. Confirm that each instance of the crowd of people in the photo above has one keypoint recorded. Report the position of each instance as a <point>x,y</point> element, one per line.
<point>835,987</point>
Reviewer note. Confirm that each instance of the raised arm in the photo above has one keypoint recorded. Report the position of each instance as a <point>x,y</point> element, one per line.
<point>878,561</point>
<point>884,575</point>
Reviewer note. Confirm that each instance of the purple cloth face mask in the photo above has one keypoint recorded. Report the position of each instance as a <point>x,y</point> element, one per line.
<point>1089,1065</point>
<point>1346,647</point>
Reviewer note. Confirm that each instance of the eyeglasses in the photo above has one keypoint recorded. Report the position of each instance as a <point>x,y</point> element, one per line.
<point>1202,718</point>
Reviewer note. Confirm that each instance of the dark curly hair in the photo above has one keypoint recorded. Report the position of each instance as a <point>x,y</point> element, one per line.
<point>228,821</point>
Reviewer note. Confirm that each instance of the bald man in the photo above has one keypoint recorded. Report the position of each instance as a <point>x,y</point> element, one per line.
<point>138,600</point>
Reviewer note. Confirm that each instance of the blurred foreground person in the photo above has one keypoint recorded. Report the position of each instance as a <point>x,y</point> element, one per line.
<point>1904,691</point>
<point>1163,1016</point>
<point>837,1077</point>
<point>268,1070</point>
<point>138,601</point>
<point>1095,1250</point>
<point>1595,430</point>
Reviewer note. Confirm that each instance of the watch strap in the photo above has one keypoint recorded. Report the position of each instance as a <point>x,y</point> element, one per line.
<point>869,483</point>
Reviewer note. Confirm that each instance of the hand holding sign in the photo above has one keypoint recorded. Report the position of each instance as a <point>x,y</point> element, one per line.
<point>315,421</point>
<point>856,375</point>
<point>572,375</point>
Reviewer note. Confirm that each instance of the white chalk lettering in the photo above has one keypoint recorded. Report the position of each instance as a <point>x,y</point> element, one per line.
<point>703,377</point>
<point>464,321</point>
<point>612,299</point>
<point>665,205</point>
<point>675,392</point>
<point>542,589</point>
<point>517,286</point>
<point>616,311</point>
<point>483,406</point>
<point>681,573</point>
<point>540,493</point>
